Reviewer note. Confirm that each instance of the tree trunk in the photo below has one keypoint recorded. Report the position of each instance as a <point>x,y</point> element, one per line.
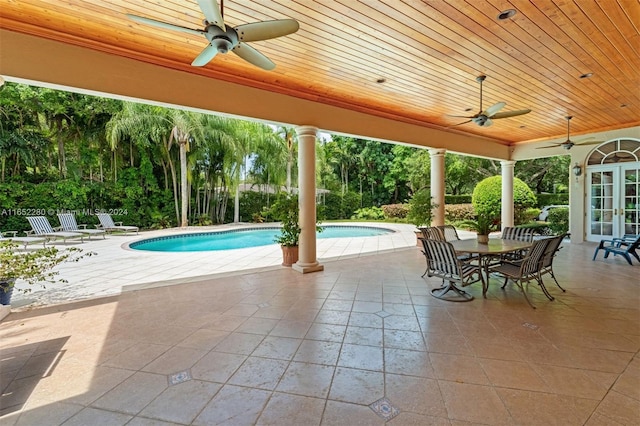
<point>183,181</point>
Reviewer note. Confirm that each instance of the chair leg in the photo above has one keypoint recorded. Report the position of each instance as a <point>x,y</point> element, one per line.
<point>519,284</point>
<point>628,258</point>
<point>505,283</point>
<point>634,254</point>
<point>597,249</point>
<point>554,278</point>
<point>544,289</point>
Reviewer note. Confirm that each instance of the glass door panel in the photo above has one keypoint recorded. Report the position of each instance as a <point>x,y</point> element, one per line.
<point>613,201</point>
<point>631,200</point>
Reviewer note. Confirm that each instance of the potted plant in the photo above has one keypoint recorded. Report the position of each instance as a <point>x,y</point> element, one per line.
<point>286,210</point>
<point>483,225</point>
<point>421,210</point>
<point>34,267</point>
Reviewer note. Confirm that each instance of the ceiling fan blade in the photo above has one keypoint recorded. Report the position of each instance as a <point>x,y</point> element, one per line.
<point>464,122</point>
<point>588,143</point>
<point>550,146</point>
<point>266,30</point>
<point>254,57</point>
<point>161,24</point>
<point>508,114</point>
<point>490,112</point>
<point>461,116</point>
<point>205,56</point>
<point>212,13</point>
<point>486,123</point>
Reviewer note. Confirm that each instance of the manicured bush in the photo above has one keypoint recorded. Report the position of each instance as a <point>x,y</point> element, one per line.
<point>458,199</point>
<point>338,206</point>
<point>369,213</point>
<point>487,198</point>
<point>459,212</point>
<point>528,215</point>
<point>553,199</point>
<point>558,220</point>
<point>395,211</point>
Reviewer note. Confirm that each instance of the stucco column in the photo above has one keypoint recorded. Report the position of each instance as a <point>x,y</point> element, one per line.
<point>577,198</point>
<point>307,261</point>
<point>507,193</point>
<point>437,185</point>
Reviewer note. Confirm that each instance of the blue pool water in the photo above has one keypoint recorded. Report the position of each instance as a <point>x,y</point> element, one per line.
<point>234,239</point>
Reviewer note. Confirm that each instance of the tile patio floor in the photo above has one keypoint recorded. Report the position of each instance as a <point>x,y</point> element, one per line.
<point>280,348</point>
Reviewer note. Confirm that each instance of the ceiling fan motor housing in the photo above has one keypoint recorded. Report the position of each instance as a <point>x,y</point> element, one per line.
<point>223,41</point>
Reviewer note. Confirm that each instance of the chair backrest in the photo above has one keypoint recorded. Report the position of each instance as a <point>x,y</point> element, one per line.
<point>40,225</point>
<point>441,258</point>
<point>449,231</point>
<point>432,233</point>
<point>519,234</point>
<point>635,244</point>
<point>532,262</point>
<point>68,221</point>
<point>552,248</point>
<point>105,220</point>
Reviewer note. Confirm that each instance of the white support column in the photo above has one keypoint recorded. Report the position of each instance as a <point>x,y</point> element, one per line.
<point>437,185</point>
<point>507,193</point>
<point>307,261</point>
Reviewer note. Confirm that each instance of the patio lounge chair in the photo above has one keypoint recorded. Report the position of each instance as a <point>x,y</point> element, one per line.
<point>40,226</point>
<point>107,223</point>
<point>22,240</point>
<point>547,260</point>
<point>68,223</point>
<point>625,247</point>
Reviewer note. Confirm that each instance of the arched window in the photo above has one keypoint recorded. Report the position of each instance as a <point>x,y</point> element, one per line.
<point>617,151</point>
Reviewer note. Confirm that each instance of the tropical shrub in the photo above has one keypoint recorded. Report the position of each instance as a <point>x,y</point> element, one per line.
<point>487,198</point>
<point>457,199</point>
<point>553,199</point>
<point>369,213</point>
<point>395,211</point>
<point>421,208</point>
<point>338,206</point>
<point>558,220</point>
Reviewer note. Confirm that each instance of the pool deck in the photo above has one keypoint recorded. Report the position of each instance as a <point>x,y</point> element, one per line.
<point>116,268</point>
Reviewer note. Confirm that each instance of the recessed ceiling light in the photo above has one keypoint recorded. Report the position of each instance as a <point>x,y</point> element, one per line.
<point>506,14</point>
<point>468,109</point>
<point>623,106</point>
<point>522,127</point>
<point>587,75</point>
<point>381,80</point>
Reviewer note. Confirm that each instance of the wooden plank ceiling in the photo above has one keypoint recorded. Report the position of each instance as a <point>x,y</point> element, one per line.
<point>427,52</point>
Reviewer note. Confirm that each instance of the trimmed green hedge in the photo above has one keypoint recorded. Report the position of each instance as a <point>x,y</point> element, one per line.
<point>487,198</point>
<point>553,199</point>
<point>457,199</point>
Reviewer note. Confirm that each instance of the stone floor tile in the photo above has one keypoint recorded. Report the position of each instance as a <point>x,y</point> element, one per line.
<point>181,403</point>
<point>408,362</point>
<point>487,405</point>
<point>357,386</point>
<point>133,394</point>
<point>94,416</point>
<point>277,347</point>
<point>261,373</point>
<point>336,413</point>
<point>415,395</point>
<point>361,357</point>
<point>233,405</point>
<point>293,410</point>
<point>318,352</point>
<point>534,408</point>
<point>307,379</point>
<point>458,368</point>
<point>217,366</point>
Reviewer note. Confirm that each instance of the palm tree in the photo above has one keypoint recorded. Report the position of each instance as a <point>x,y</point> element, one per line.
<point>290,137</point>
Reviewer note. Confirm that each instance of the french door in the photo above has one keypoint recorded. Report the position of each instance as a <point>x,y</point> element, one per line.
<point>613,200</point>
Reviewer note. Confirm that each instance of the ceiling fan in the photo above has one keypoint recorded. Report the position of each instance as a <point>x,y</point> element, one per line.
<point>223,38</point>
<point>568,144</point>
<point>485,117</point>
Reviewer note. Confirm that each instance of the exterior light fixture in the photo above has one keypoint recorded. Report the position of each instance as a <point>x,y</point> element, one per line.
<point>577,170</point>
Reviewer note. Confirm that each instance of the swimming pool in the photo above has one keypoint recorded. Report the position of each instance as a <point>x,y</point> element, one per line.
<point>243,238</point>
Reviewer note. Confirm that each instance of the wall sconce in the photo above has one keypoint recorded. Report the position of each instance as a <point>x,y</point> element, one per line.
<point>577,170</point>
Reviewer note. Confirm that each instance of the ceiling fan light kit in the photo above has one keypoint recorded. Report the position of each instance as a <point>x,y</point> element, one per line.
<point>223,38</point>
<point>485,118</point>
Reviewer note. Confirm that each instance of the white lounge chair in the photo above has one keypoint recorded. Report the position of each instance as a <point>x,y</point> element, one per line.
<point>40,226</point>
<point>69,224</point>
<point>22,240</point>
<point>106,222</point>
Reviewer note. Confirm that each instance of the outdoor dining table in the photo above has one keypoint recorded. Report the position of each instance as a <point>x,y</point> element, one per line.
<point>487,251</point>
